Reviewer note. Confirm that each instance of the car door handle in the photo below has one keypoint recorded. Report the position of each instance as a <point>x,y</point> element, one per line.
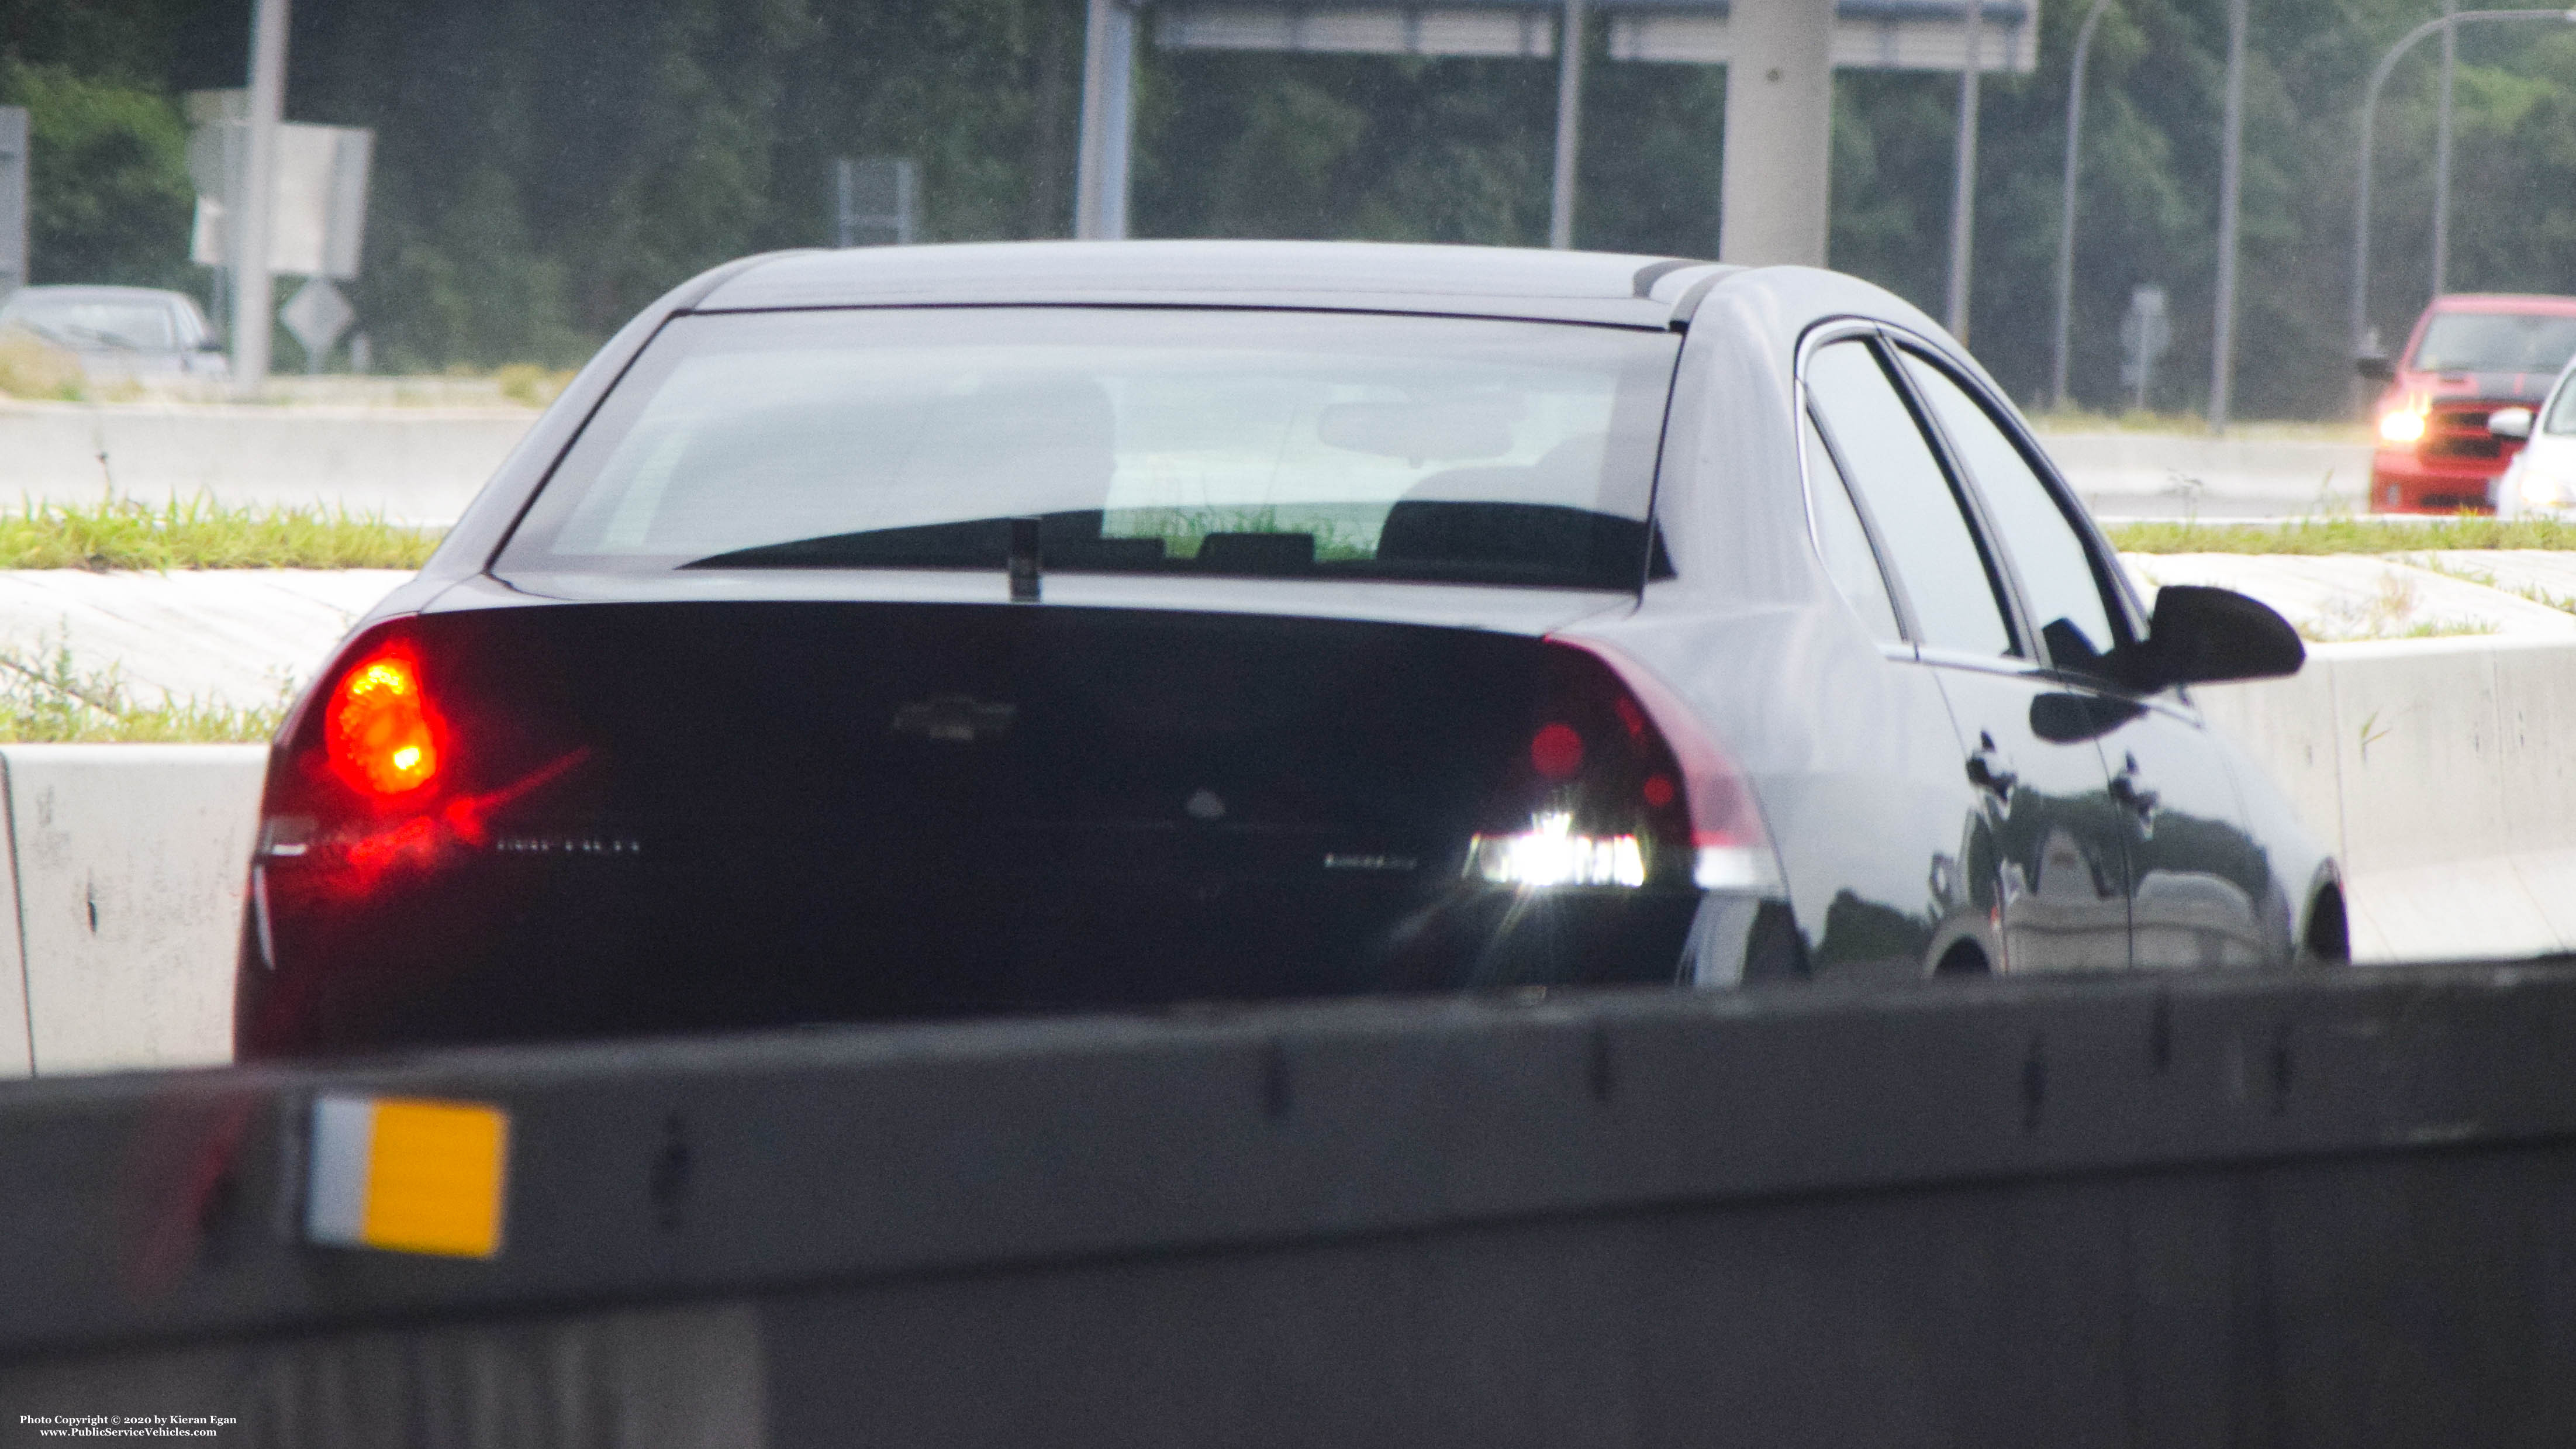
<point>2124,788</point>
<point>1983,774</point>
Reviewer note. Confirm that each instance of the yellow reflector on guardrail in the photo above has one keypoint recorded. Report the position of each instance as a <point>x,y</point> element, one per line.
<point>408,1174</point>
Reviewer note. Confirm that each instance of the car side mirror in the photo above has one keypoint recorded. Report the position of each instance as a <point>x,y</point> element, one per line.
<point>2375,368</point>
<point>2510,423</point>
<point>2205,636</point>
<point>210,344</point>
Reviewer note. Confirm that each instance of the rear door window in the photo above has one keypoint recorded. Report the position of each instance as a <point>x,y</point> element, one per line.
<point>1844,542</point>
<point>1949,585</point>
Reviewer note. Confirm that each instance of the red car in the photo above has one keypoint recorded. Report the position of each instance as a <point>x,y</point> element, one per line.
<point>2470,354</point>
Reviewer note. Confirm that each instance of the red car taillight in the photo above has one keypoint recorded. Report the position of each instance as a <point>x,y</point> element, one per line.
<point>379,731</point>
<point>1623,788</point>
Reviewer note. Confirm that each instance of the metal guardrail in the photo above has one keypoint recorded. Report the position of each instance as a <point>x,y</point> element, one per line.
<point>2329,1209</point>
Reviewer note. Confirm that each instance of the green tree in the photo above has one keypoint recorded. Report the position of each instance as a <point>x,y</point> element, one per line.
<point>110,200</point>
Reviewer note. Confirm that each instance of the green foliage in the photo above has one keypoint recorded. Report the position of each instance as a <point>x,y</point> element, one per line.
<point>110,197</point>
<point>45,698</point>
<point>201,534</point>
<point>544,168</point>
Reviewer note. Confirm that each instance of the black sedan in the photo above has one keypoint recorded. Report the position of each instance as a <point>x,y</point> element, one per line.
<point>943,631</point>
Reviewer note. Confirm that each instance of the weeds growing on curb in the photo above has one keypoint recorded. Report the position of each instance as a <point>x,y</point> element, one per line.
<point>2329,534</point>
<point>118,533</point>
<point>47,699</point>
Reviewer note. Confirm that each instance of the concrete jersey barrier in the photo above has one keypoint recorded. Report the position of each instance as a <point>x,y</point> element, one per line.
<point>416,465</point>
<point>422,464</point>
<point>2321,1208</point>
<point>2439,772</point>
<point>128,864</point>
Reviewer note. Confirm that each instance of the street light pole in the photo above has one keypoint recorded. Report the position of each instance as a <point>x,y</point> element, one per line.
<point>2066,216</point>
<point>2231,186</point>
<point>2359,321</point>
<point>1569,122</point>
<point>1108,121</point>
<point>1963,178</point>
<point>254,297</point>
<point>2442,153</point>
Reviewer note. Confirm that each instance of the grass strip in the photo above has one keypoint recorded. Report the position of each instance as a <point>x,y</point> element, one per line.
<point>46,699</point>
<point>203,534</point>
<point>2332,535</point>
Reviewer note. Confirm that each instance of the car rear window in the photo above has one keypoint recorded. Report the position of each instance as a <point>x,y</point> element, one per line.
<point>129,326</point>
<point>2495,342</point>
<point>2561,419</point>
<point>1229,442</point>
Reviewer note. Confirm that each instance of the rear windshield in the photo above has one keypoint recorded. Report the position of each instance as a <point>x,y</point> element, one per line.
<point>1202,442</point>
<point>2562,410</point>
<point>130,326</point>
<point>2495,342</point>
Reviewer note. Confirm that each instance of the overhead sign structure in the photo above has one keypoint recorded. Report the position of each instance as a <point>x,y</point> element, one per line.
<point>1866,34</point>
<point>1773,161</point>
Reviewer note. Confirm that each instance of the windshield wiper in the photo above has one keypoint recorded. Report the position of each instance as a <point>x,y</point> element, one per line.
<point>983,543</point>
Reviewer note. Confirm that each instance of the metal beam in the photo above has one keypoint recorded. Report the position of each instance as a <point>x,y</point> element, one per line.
<point>1774,201</point>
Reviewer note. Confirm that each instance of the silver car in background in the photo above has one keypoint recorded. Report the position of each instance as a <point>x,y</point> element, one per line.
<point>120,332</point>
<point>2540,482</point>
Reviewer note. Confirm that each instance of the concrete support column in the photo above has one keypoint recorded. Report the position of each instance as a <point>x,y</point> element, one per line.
<point>1108,122</point>
<point>1779,133</point>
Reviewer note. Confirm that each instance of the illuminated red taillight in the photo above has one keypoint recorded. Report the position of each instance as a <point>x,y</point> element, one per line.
<point>379,730</point>
<point>1729,848</point>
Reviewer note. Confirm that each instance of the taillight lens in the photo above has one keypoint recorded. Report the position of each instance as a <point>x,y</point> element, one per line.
<point>379,731</point>
<point>1625,788</point>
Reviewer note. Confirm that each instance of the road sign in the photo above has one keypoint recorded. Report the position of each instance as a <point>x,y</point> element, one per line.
<point>2144,335</point>
<point>875,202</point>
<point>317,315</point>
<point>318,219</point>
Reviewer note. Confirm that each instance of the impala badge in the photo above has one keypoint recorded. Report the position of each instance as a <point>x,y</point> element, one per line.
<point>957,718</point>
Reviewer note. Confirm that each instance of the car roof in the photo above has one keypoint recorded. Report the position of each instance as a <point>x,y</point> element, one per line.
<point>53,293</point>
<point>1360,276</point>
